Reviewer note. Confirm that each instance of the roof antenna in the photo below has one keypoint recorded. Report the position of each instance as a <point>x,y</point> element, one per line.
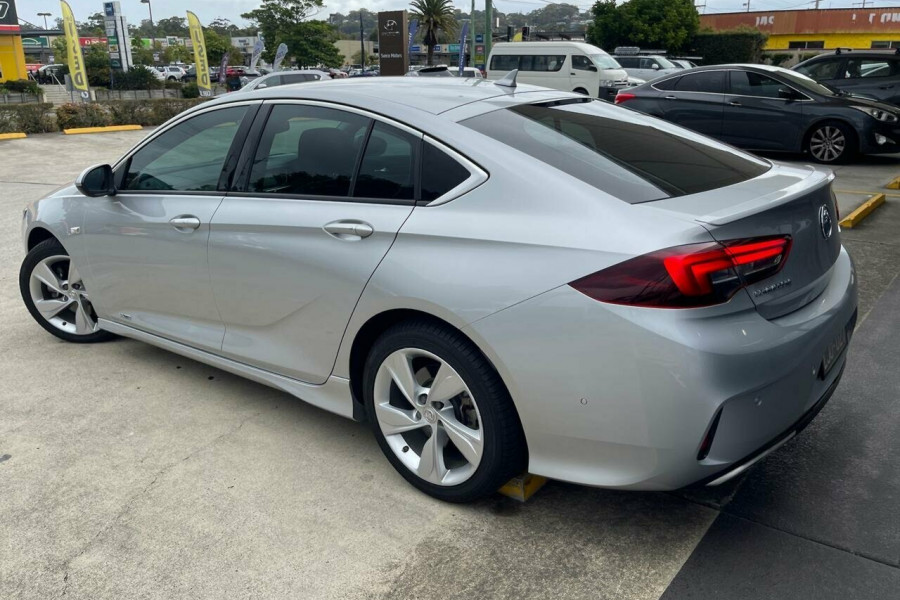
<point>509,80</point>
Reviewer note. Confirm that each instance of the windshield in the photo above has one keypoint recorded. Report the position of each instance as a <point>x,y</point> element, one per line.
<point>605,61</point>
<point>806,84</point>
<point>665,63</point>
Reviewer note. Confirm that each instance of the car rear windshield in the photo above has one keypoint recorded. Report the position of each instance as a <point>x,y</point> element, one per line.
<point>629,156</point>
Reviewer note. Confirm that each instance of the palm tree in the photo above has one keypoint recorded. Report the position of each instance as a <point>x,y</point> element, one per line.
<point>433,15</point>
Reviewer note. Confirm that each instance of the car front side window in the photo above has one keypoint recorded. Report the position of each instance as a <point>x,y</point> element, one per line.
<point>748,83</point>
<point>581,63</point>
<point>188,157</point>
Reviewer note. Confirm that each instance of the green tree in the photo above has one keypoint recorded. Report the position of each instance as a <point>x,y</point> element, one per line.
<point>666,24</point>
<point>309,42</point>
<point>140,54</point>
<point>433,16</point>
<point>216,45</point>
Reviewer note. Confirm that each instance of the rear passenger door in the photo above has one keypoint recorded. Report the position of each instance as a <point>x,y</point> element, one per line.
<point>695,101</point>
<point>318,202</point>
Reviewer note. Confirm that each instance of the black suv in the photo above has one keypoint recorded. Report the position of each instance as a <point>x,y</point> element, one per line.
<point>869,74</point>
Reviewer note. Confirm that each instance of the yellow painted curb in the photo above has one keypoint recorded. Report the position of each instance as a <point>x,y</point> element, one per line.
<point>12,136</point>
<point>523,487</point>
<point>894,184</point>
<point>101,129</point>
<point>854,218</point>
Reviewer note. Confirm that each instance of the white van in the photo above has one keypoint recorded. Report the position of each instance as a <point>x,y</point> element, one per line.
<point>568,66</point>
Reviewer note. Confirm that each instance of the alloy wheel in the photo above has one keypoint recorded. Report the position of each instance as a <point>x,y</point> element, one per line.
<point>827,143</point>
<point>58,293</point>
<point>428,416</point>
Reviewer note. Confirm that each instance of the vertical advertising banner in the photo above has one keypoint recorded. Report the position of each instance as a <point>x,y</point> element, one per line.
<point>200,61</point>
<point>393,42</point>
<point>413,28</point>
<point>223,68</point>
<point>76,60</point>
<point>280,53</point>
<point>258,48</point>
<point>462,46</point>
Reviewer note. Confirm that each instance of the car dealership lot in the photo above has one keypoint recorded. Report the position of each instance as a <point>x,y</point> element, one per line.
<point>127,471</point>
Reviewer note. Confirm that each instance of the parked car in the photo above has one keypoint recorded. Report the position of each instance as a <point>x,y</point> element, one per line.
<point>286,78</point>
<point>190,74</point>
<point>51,73</point>
<point>646,67</point>
<point>770,109</point>
<point>682,63</point>
<point>534,280</point>
<point>433,71</point>
<point>159,75</point>
<point>171,72</point>
<point>248,75</point>
<point>469,72</point>
<point>568,66</point>
<point>869,74</point>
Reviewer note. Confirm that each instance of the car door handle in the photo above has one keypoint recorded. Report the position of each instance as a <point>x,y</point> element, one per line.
<point>671,98</point>
<point>185,222</point>
<point>735,103</point>
<point>350,231</point>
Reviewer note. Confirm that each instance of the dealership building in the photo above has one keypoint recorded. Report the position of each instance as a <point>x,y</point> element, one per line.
<point>857,28</point>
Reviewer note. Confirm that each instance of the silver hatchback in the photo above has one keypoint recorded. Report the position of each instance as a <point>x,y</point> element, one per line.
<point>496,278</point>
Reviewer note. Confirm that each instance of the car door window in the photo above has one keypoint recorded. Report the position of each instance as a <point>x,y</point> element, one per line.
<point>747,83</point>
<point>628,62</point>
<point>308,150</point>
<point>581,63</point>
<point>188,157</point>
<point>823,69</point>
<point>440,173</point>
<point>710,82</point>
<point>865,68</point>
<point>648,63</point>
<point>388,165</point>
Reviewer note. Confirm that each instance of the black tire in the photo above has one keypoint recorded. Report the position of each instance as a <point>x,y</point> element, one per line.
<point>824,130</point>
<point>504,454</point>
<point>46,249</point>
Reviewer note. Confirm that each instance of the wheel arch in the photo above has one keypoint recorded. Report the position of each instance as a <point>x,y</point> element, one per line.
<point>37,235</point>
<point>830,119</point>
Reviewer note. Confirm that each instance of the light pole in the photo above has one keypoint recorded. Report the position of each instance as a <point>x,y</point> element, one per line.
<point>152,32</point>
<point>45,15</point>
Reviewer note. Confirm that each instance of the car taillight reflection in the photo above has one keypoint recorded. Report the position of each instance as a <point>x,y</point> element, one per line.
<point>688,276</point>
<point>624,97</point>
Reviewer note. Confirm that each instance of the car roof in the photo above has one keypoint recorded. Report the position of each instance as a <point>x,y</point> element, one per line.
<point>583,46</point>
<point>431,95</point>
<point>855,54</point>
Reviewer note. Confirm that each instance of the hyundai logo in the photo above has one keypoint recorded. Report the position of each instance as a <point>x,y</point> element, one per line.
<point>825,223</point>
<point>390,25</point>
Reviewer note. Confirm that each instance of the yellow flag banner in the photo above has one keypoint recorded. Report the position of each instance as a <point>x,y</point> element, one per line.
<point>77,71</point>
<point>200,61</point>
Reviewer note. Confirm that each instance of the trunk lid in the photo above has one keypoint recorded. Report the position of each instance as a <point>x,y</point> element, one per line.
<point>786,200</point>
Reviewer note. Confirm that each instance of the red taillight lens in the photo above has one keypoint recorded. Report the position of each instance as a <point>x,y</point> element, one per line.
<point>688,276</point>
<point>624,97</point>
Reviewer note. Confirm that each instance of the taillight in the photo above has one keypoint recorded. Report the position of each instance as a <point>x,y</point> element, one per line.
<point>688,276</point>
<point>624,97</point>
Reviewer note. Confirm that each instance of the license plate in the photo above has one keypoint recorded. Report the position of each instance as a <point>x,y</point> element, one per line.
<point>835,347</point>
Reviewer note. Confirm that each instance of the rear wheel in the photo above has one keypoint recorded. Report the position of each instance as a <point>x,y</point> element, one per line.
<point>831,143</point>
<point>440,412</point>
<point>55,295</point>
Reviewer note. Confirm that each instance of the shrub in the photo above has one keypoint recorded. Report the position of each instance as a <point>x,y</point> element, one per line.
<point>780,58</point>
<point>20,86</point>
<point>26,118</point>
<point>138,78</point>
<point>742,45</point>
<point>84,114</point>
<point>190,90</point>
<point>127,112</point>
<point>163,109</point>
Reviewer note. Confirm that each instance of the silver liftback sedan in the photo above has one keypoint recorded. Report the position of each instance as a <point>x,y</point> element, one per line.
<point>496,278</point>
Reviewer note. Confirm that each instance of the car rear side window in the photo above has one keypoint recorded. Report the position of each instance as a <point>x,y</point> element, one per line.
<point>308,150</point>
<point>388,165</point>
<point>667,84</point>
<point>822,69</point>
<point>710,82</point>
<point>631,157</point>
<point>440,173</point>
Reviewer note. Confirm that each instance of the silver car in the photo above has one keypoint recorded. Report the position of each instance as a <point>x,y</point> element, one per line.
<point>496,278</point>
<point>286,78</point>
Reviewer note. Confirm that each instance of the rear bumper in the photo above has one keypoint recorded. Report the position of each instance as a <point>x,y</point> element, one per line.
<point>622,397</point>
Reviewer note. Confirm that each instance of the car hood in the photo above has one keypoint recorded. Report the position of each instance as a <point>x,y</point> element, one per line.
<point>861,101</point>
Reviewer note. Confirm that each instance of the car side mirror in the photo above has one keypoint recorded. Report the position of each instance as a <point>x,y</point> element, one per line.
<point>655,67</point>
<point>96,181</point>
<point>592,68</point>
<point>262,85</point>
<point>787,93</point>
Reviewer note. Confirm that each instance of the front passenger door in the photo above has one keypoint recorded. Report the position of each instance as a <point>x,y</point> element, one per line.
<point>758,118</point>
<point>323,197</point>
<point>147,245</point>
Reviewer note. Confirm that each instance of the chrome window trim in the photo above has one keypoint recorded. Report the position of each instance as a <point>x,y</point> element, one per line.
<point>805,98</point>
<point>477,175</point>
<point>347,108</point>
<point>175,121</point>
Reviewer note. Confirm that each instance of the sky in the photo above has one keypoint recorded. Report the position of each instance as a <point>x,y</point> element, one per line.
<point>208,10</point>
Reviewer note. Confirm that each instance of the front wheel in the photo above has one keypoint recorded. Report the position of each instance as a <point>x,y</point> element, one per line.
<point>440,412</point>
<point>55,295</point>
<point>831,143</point>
